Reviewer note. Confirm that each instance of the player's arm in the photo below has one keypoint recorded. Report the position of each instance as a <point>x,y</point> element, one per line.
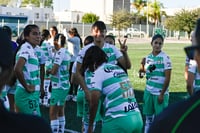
<point>124,49</point>
<point>190,81</point>
<point>165,85</point>
<point>127,60</point>
<point>42,73</point>
<point>20,75</point>
<point>95,96</point>
<point>186,72</point>
<point>54,69</point>
<point>19,71</point>
<point>192,67</point>
<point>142,68</point>
<point>122,62</point>
<point>81,80</point>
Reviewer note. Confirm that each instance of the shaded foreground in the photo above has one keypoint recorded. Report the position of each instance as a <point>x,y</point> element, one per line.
<point>73,123</point>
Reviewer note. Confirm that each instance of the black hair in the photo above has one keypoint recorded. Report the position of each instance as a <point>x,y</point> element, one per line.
<point>73,31</point>
<point>6,58</point>
<point>55,29</point>
<point>6,53</point>
<point>8,30</point>
<point>93,58</point>
<point>100,25</point>
<point>157,36</point>
<point>28,29</point>
<point>20,39</point>
<point>89,39</point>
<point>45,34</point>
<point>62,40</point>
<point>110,36</point>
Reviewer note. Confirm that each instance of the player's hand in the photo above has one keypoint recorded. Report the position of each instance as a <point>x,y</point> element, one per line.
<point>48,72</point>
<point>160,98</point>
<point>141,73</point>
<point>123,46</point>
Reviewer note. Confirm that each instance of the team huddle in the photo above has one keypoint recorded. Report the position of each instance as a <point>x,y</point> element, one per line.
<point>47,72</point>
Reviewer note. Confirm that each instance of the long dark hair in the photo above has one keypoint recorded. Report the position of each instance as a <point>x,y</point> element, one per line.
<point>8,30</point>
<point>45,34</point>
<point>6,54</point>
<point>61,39</point>
<point>27,30</point>
<point>89,39</point>
<point>55,29</point>
<point>93,58</point>
<point>75,31</point>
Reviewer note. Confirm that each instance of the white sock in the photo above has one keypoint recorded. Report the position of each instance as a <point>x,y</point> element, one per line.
<point>85,127</point>
<point>61,124</point>
<point>149,120</point>
<point>54,126</point>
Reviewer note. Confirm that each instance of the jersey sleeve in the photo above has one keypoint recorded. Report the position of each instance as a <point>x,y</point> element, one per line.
<point>43,57</point>
<point>82,52</point>
<point>167,63</point>
<point>24,52</point>
<point>97,80</point>
<point>74,67</point>
<point>50,50</point>
<point>58,58</point>
<point>187,61</point>
<point>192,66</point>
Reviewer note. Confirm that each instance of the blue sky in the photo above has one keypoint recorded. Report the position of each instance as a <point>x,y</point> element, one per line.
<point>61,5</point>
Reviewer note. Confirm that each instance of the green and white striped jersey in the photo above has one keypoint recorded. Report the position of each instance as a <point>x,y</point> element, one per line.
<point>47,48</point>
<point>40,54</point>
<point>111,51</point>
<point>155,67</point>
<point>117,93</point>
<point>194,69</point>
<point>31,67</point>
<point>48,53</point>
<point>61,79</point>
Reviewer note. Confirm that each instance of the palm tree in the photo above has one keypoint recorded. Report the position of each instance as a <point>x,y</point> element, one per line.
<point>155,11</point>
<point>139,5</point>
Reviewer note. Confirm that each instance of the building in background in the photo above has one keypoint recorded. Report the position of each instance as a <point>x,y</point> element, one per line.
<point>17,17</point>
<point>69,14</point>
<point>102,8</point>
<point>33,13</point>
